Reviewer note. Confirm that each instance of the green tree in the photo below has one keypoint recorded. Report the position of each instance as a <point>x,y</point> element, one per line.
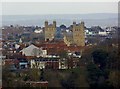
<point>100,58</point>
<point>63,54</point>
<point>70,83</point>
<point>96,77</point>
<point>34,74</point>
<point>114,79</point>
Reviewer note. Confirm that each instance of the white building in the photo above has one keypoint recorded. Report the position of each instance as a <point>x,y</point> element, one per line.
<point>103,33</point>
<point>34,51</point>
<point>37,64</point>
<point>38,30</point>
<point>63,64</point>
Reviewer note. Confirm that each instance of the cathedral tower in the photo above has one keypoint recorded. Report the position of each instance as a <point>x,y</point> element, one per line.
<point>78,34</point>
<point>50,30</point>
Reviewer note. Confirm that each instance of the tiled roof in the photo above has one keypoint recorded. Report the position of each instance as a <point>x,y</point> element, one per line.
<point>11,61</point>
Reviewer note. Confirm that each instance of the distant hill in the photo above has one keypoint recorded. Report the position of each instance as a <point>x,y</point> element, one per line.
<point>101,19</point>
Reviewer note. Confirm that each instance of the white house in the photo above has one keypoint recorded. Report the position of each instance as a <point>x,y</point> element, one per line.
<point>104,33</point>
<point>38,30</point>
<point>32,50</point>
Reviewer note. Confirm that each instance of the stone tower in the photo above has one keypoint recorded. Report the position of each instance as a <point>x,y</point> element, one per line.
<point>78,34</point>
<point>50,30</point>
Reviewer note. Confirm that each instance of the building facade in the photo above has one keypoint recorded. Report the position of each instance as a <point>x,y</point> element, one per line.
<point>78,34</point>
<point>54,63</point>
<point>45,63</point>
<point>50,30</point>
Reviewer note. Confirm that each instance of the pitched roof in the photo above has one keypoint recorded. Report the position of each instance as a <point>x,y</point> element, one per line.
<point>29,51</point>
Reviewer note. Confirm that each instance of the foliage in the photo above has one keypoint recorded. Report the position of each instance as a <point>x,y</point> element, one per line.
<point>63,54</point>
<point>100,58</point>
<point>114,79</point>
<point>70,82</point>
<point>10,78</point>
<point>97,77</point>
<point>34,74</point>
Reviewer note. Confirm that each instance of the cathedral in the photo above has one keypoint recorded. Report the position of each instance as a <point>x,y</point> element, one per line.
<point>75,37</point>
<point>50,30</point>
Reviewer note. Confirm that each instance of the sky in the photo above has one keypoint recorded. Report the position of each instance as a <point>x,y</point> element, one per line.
<point>41,8</point>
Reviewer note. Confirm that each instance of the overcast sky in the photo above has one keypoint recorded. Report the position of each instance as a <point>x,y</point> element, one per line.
<point>38,8</point>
